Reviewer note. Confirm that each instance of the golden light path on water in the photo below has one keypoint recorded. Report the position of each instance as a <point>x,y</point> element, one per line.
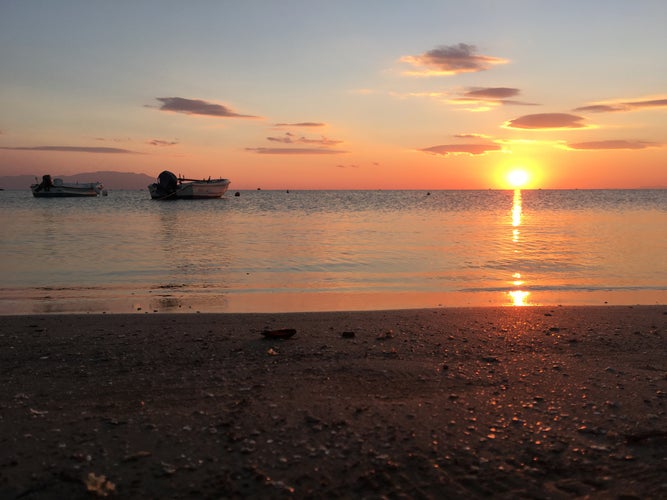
<point>517,296</point>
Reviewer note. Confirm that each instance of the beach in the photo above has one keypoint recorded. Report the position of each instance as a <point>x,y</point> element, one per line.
<point>502,402</point>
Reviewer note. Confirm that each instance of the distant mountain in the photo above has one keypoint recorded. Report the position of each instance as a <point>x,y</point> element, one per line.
<point>110,180</point>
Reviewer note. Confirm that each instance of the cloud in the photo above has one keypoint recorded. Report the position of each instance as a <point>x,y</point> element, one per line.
<point>287,138</point>
<point>290,138</point>
<point>600,108</point>
<point>457,149</point>
<point>491,93</point>
<point>471,136</point>
<point>546,121</point>
<point>450,60</point>
<point>356,165</point>
<point>197,107</point>
<point>115,139</point>
<point>430,94</point>
<point>474,99</point>
<point>158,142</point>
<point>295,151</point>
<point>612,144</point>
<point>300,124</point>
<point>483,98</point>
<point>653,103</point>
<point>624,106</point>
<point>325,144</point>
<point>74,149</point>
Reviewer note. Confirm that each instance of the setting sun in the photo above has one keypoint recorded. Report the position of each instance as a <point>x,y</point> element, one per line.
<point>518,178</point>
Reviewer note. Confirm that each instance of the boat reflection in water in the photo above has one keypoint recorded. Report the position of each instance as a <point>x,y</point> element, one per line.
<point>518,296</point>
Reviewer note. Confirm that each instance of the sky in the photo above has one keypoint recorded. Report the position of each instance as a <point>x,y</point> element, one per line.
<point>363,94</point>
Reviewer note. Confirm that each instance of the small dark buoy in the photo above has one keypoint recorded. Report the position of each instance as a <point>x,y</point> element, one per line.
<point>237,194</point>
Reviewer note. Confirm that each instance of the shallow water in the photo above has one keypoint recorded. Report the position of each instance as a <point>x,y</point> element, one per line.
<point>329,250</point>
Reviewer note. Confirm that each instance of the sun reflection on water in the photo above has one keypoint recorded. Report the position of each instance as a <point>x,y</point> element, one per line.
<point>516,209</point>
<point>518,297</point>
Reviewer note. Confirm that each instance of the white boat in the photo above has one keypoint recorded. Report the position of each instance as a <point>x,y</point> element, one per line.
<point>56,188</point>
<point>171,187</point>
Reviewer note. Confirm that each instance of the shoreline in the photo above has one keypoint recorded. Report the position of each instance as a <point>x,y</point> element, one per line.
<point>121,300</point>
<point>548,402</point>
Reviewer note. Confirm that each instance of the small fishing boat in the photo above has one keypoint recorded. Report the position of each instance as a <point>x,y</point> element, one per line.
<point>56,188</point>
<point>171,187</point>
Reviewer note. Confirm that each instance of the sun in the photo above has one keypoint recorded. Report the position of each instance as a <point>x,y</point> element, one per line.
<point>518,177</point>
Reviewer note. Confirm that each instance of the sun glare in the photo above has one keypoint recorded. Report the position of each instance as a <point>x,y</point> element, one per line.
<point>517,178</point>
<point>519,297</point>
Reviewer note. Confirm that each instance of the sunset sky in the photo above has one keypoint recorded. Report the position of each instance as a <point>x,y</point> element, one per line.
<point>363,94</point>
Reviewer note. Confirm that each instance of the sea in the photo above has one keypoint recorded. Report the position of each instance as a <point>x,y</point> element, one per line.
<point>288,251</point>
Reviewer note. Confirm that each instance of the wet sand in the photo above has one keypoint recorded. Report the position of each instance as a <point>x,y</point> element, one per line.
<point>536,402</point>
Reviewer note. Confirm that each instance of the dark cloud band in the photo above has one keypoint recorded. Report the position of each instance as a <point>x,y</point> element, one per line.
<point>612,144</point>
<point>542,121</point>
<point>74,149</point>
<point>295,151</point>
<point>198,107</point>
<point>455,149</point>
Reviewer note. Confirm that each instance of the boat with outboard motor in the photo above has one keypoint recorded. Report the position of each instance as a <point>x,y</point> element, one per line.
<point>57,188</point>
<point>171,187</point>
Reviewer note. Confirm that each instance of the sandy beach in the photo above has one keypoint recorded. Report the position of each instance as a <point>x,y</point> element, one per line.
<point>534,402</point>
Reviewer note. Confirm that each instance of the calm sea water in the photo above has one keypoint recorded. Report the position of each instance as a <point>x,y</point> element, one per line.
<point>270,251</point>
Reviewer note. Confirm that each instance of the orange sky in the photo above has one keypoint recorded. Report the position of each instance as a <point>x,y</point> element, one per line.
<point>352,95</point>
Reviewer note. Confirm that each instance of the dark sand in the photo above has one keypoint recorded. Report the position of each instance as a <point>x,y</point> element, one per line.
<point>534,402</point>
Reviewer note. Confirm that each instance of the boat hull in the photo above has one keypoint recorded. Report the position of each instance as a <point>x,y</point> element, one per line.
<point>206,189</point>
<point>59,189</point>
<point>202,190</point>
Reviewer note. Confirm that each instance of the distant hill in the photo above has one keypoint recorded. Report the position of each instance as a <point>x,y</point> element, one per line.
<point>110,180</point>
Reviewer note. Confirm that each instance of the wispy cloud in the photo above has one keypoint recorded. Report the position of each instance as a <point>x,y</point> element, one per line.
<point>612,144</point>
<point>494,93</point>
<point>450,60</point>
<point>600,108</point>
<point>198,107</point>
<point>114,139</point>
<point>462,149</point>
<point>74,149</point>
<point>357,165</point>
<point>500,95</point>
<point>290,138</point>
<point>435,95</point>
<point>324,145</point>
<point>300,124</point>
<point>471,136</point>
<point>547,121</point>
<point>624,106</point>
<point>161,143</point>
<point>474,99</point>
<point>485,98</point>
<point>295,151</point>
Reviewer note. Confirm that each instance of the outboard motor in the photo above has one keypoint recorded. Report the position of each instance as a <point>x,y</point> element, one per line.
<point>45,184</point>
<point>167,182</point>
